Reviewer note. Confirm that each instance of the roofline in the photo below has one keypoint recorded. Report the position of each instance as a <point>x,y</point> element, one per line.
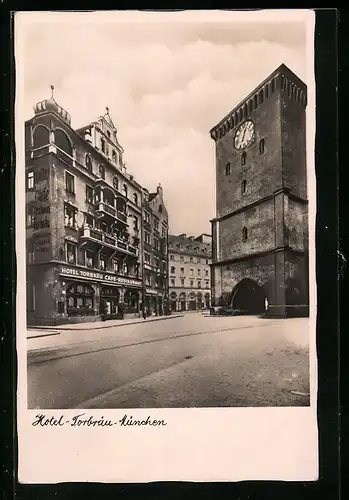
<point>281,69</point>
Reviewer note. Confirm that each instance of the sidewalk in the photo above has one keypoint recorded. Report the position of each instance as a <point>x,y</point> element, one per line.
<point>45,337</point>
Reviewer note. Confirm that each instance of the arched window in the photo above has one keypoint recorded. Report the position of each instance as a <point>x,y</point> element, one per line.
<point>240,114</point>
<point>135,199</point>
<point>244,233</point>
<point>273,85</point>
<point>243,158</point>
<point>261,146</point>
<point>101,171</point>
<point>62,141</point>
<point>245,110</point>
<point>228,169</point>
<point>261,96</point>
<point>255,101</point>
<point>41,137</point>
<point>250,106</point>
<point>243,187</point>
<point>267,91</point>
<point>124,190</point>
<point>88,163</point>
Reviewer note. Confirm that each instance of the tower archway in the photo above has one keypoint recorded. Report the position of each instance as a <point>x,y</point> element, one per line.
<point>249,297</point>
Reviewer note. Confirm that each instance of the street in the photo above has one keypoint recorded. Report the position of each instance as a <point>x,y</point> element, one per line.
<point>188,361</point>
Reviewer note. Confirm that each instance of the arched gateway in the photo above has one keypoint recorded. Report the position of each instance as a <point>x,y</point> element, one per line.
<point>249,297</point>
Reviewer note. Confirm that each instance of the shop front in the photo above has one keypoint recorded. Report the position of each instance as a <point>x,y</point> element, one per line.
<point>87,295</point>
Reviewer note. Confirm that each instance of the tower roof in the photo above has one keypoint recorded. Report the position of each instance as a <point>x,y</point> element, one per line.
<point>51,105</point>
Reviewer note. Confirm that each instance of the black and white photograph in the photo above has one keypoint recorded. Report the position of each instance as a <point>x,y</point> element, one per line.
<point>167,205</point>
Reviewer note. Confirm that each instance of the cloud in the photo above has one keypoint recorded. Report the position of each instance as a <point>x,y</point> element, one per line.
<point>166,84</point>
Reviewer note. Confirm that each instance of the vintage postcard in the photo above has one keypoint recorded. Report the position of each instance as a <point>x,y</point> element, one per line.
<point>165,207</point>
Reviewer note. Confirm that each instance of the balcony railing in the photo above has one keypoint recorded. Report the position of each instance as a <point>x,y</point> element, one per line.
<point>101,206</point>
<point>108,239</point>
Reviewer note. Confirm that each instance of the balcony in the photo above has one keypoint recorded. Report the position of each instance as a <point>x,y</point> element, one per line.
<point>112,241</point>
<point>106,208</point>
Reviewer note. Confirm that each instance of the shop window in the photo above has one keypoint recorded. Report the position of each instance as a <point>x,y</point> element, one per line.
<point>69,183</point>
<point>80,300</point>
<point>89,194</point>
<point>70,249</point>
<point>70,216</point>
<point>30,180</point>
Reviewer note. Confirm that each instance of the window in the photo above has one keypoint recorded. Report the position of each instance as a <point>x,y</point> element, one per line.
<point>191,283</point>
<point>31,252</point>
<point>182,282</point>
<point>227,169</point>
<point>191,272</point>
<point>181,258</point>
<point>206,261</point>
<point>182,270</point>
<point>207,284</point>
<point>70,252</point>
<point>147,258</point>
<point>135,199</point>
<point>88,163</point>
<point>243,158</point>
<point>146,217</point>
<point>108,133</point>
<point>124,190</point>
<point>261,146</point>
<point>40,137</point>
<point>160,209</point>
<point>30,180</point>
<point>243,187</point>
<point>157,262</point>
<point>172,257</point>
<point>156,243</point>
<point>101,171</point>
<point>116,266</point>
<point>191,259</point>
<point>62,141</point>
<point>147,238</point>
<point>115,182</point>
<point>69,183</point>
<point>70,216</point>
<point>199,272</point>
<point>173,270</point>
<point>126,268</point>
<point>114,156</point>
<point>244,233</point>
<point>89,194</point>
<point>89,258</point>
<point>103,148</point>
<point>199,284</point>
<point>198,258</point>
<point>135,223</point>
<point>172,282</point>
<point>102,262</point>
<point>206,272</point>
<point>156,225</point>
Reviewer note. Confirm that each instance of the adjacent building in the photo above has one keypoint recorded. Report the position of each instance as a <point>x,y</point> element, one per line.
<point>260,232</point>
<point>84,219</point>
<point>189,272</point>
<point>155,255</point>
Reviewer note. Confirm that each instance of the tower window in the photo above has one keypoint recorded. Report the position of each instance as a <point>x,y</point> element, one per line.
<point>243,187</point>
<point>255,101</point>
<point>228,169</point>
<point>244,233</point>
<point>250,106</point>
<point>243,158</point>
<point>240,114</point>
<point>273,85</point>
<point>267,91</point>
<point>261,146</point>
<point>245,110</point>
<point>261,96</point>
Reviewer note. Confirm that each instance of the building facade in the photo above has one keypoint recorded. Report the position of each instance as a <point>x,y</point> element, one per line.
<point>189,272</point>
<point>155,255</point>
<point>83,221</point>
<point>260,232</point>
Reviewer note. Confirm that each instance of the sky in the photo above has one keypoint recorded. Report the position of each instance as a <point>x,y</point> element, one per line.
<point>166,82</point>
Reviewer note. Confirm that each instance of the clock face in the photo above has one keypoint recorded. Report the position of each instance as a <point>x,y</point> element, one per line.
<point>244,135</point>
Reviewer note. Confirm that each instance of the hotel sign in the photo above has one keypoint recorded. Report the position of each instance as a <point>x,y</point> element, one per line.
<point>75,272</point>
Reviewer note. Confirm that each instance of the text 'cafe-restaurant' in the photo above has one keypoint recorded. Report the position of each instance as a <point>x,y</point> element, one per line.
<point>96,293</point>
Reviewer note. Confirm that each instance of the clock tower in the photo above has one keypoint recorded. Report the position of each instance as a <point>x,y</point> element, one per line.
<point>260,232</point>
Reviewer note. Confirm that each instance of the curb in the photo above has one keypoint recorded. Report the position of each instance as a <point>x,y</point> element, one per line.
<point>148,320</point>
<point>51,334</point>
